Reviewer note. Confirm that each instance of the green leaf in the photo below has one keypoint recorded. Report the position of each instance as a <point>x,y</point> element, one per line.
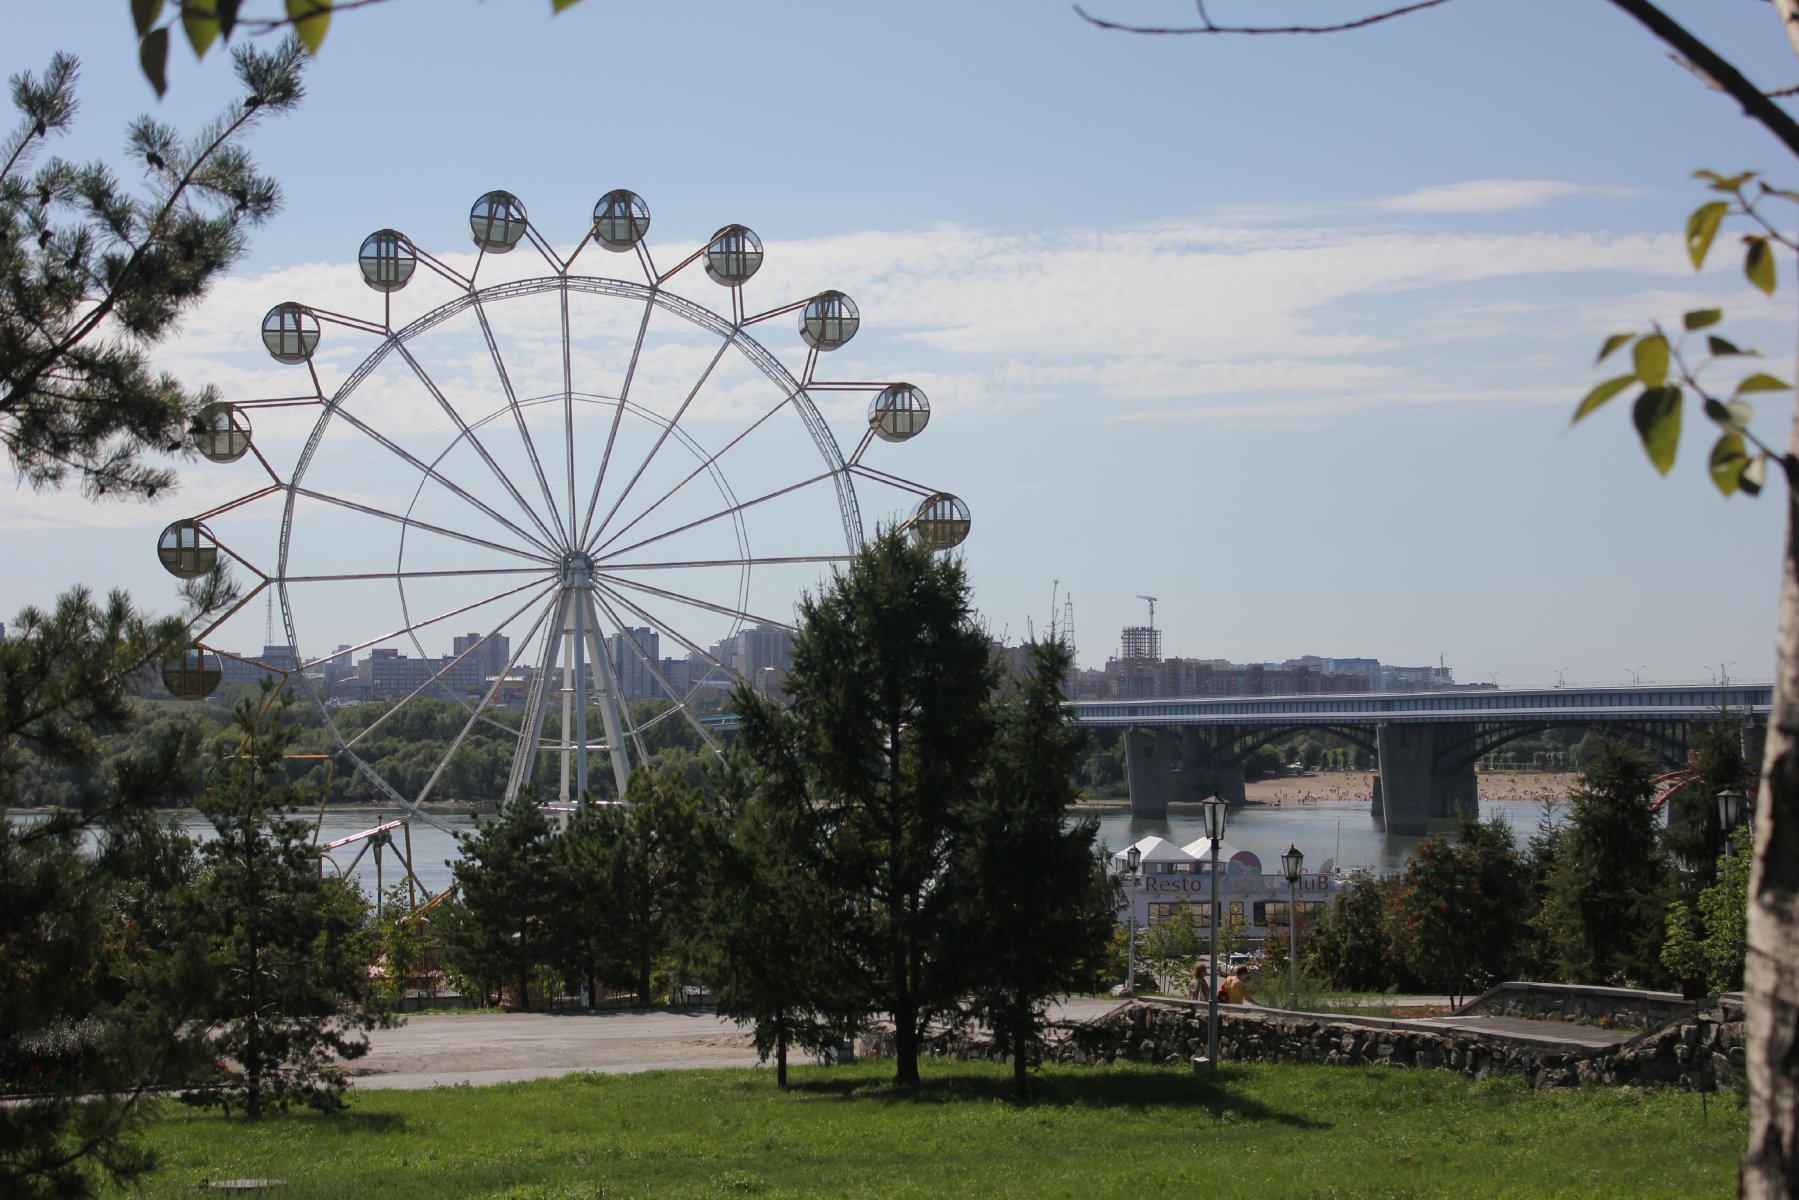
<point>1735,415</point>
<point>1754,476</point>
<point>1600,395</point>
<point>1611,344</point>
<point>1729,458</point>
<point>1702,227</point>
<point>153,56</point>
<point>557,6</point>
<point>1758,264</point>
<point>200,22</point>
<point>1657,418</point>
<point>1699,318</point>
<point>1651,355</point>
<point>1761,383</point>
<point>144,14</point>
<point>227,12</point>
<point>1721,346</point>
<point>311,19</point>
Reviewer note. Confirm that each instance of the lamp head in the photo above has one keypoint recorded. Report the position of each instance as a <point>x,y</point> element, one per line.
<point>1132,858</point>
<point>1213,811</point>
<point>1292,863</point>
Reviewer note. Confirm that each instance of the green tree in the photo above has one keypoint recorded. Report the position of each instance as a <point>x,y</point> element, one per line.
<point>890,684</point>
<point>1348,948</point>
<point>1458,915</point>
<point>495,932</point>
<point>1693,834</point>
<point>1169,948</point>
<point>1038,904</point>
<point>101,995</point>
<point>1606,892</point>
<point>92,276</point>
<point>652,869</point>
<point>1708,943</point>
<point>768,941</point>
<point>290,951</point>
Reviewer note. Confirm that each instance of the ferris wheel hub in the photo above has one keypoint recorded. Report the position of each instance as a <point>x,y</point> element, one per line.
<point>577,570</point>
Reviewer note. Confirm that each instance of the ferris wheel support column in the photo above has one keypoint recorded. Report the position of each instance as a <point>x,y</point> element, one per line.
<point>611,716</point>
<point>582,604</point>
<point>530,732</point>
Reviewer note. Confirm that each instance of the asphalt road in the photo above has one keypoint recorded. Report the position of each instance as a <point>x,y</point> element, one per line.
<point>445,1049</point>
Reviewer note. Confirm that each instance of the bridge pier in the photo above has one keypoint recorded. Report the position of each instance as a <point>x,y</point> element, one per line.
<point>1154,778</point>
<point>1414,788</point>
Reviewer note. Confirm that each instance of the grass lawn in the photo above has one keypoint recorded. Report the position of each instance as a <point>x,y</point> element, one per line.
<point>1252,1131</point>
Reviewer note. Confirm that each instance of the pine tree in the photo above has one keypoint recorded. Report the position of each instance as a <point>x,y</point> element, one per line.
<point>767,941</point>
<point>891,729</point>
<point>495,932</point>
<point>1605,896</point>
<point>1038,906</point>
<point>101,984</point>
<point>92,276</point>
<point>290,951</point>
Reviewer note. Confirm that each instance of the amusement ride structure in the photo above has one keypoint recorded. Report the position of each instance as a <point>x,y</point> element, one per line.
<point>570,465</point>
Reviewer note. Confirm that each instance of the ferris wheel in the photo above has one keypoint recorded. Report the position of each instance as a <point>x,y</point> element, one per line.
<point>563,508</point>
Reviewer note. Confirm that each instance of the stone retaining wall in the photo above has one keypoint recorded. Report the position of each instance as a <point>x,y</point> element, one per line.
<point>1696,1052</point>
<point>1623,1008</point>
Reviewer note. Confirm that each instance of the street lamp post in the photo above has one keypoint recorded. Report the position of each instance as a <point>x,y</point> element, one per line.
<point>1733,806</point>
<point>1214,818</point>
<point>1292,863</point>
<point>1132,858</point>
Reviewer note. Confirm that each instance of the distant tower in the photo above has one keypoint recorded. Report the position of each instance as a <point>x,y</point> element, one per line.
<point>1068,630</point>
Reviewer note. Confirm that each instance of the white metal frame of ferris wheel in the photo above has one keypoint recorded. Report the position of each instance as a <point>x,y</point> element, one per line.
<point>580,574</point>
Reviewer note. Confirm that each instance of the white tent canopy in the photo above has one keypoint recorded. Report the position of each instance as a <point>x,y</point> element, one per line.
<point>1155,850</point>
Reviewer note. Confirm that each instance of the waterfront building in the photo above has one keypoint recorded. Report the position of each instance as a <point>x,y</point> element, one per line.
<point>1170,878</point>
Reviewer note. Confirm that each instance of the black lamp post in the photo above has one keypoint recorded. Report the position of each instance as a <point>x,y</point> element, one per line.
<point>1292,865</point>
<point>1733,806</point>
<point>1132,858</point>
<point>1213,810</point>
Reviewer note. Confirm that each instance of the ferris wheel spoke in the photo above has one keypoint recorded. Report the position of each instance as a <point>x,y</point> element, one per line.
<point>475,442</point>
<point>723,610</point>
<point>708,465</point>
<point>432,473</point>
<point>539,571</point>
<point>618,416</point>
<point>662,680</point>
<point>650,619</point>
<point>415,626</point>
<point>726,512</point>
<point>487,698</point>
<point>568,404</point>
<point>518,416</point>
<point>667,431</point>
<point>415,523</point>
<point>450,665</point>
<point>609,566</point>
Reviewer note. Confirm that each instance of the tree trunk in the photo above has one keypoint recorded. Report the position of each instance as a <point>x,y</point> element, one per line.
<point>905,1031</point>
<point>781,1058</point>
<point>1771,977</point>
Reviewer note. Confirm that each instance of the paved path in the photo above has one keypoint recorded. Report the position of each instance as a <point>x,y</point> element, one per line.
<point>444,1049</point>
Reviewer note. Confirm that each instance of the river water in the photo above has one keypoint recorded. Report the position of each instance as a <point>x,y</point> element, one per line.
<point>1341,831</point>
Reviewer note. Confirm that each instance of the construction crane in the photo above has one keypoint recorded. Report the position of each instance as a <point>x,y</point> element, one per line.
<point>1152,610</point>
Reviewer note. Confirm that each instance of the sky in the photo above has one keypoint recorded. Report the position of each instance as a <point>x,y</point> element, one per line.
<point>1285,332</point>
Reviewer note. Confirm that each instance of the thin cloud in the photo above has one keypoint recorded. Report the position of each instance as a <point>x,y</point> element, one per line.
<point>1492,195</point>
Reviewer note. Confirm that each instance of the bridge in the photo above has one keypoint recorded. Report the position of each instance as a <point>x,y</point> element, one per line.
<point>1425,744</point>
